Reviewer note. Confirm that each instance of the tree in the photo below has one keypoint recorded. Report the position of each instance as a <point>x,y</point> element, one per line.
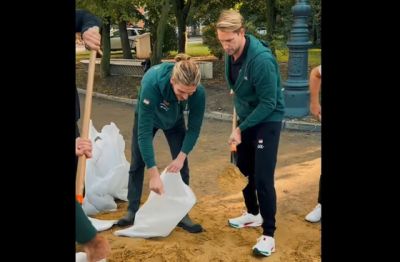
<point>207,12</point>
<point>181,13</point>
<point>261,13</point>
<point>100,9</point>
<point>271,20</point>
<point>316,22</point>
<point>112,11</point>
<point>125,11</point>
<point>157,48</point>
<point>123,34</point>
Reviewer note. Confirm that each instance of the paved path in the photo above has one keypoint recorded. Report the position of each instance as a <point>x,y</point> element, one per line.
<point>289,124</point>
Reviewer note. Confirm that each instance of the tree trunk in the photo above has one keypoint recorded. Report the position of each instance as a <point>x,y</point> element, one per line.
<point>125,44</point>
<point>156,55</point>
<point>181,33</point>
<point>316,37</point>
<point>271,21</point>
<point>181,15</point>
<point>105,42</point>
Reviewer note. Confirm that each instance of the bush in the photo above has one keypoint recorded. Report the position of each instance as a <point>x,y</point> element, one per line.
<point>170,39</point>
<point>210,39</point>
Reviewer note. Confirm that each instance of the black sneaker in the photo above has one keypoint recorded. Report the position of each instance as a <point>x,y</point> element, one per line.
<point>127,220</point>
<point>187,224</point>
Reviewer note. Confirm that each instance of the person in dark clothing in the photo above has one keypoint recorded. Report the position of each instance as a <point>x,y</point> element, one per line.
<point>252,73</point>
<point>89,26</point>
<point>166,90</point>
<point>95,246</point>
<point>146,65</point>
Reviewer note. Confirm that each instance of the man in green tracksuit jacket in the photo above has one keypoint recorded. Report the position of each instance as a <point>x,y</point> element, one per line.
<point>84,229</point>
<point>166,91</point>
<point>253,75</point>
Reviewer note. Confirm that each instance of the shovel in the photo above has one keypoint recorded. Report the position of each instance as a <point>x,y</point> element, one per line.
<point>81,170</point>
<point>233,145</point>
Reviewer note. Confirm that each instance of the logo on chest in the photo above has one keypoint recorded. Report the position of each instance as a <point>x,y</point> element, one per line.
<point>260,144</point>
<point>164,105</point>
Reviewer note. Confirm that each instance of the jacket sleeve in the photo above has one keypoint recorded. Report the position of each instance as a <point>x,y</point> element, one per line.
<point>146,110</point>
<point>84,20</point>
<point>265,81</point>
<point>195,119</point>
<point>84,230</point>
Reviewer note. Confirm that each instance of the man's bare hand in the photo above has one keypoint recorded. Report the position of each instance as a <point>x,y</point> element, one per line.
<point>92,38</point>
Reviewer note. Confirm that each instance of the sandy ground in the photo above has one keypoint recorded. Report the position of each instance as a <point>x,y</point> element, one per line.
<point>297,175</point>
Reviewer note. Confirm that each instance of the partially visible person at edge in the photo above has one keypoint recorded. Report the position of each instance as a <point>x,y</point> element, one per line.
<point>95,246</point>
<point>315,109</point>
<point>89,26</point>
<point>252,72</point>
<point>166,90</point>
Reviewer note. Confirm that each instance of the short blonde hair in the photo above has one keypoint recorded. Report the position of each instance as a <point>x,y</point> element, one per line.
<point>230,21</point>
<point>186,71</point>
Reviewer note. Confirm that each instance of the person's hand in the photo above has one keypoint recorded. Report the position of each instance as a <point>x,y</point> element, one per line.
<point>315,109</point>
<point>83,147</point>
<point>97,249</point>
<point>177,164</point>
<point>92,38</point>
<point>236,137</point>
<point>155,182</point>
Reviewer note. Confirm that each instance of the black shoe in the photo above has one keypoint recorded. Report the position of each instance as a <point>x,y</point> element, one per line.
<point>187,224</point>
<point>127,220</point>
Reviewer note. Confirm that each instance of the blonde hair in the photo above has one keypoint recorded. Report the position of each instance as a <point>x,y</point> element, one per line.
<point>186,71</point>
<point>230,21</point>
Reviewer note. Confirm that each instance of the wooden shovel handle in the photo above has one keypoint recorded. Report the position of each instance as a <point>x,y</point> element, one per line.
<point>234,125</point>
<point>81,170</point>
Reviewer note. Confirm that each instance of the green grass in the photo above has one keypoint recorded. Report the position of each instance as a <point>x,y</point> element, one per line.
<point>86,55</point>
<point>198,49</point>
<point>82,55</point>
<point>314,56</point>
<point>194,49</point>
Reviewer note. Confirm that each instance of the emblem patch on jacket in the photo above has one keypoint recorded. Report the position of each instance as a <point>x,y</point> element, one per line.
<point>164,105</point>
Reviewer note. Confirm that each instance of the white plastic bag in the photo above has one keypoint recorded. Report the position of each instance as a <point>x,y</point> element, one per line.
<point>102,225</point>
<point>159,215</point>
<point>107,172</point>
<point>82,257</point>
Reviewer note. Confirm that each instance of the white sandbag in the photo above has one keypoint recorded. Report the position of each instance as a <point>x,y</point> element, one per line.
<point>82,257</point>
<point>95,203</point>
<point>107,172</point>
<point>159,215</point>
<point>102,225</point>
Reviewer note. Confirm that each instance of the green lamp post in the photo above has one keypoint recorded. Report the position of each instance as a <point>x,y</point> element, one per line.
<point>296,92</point>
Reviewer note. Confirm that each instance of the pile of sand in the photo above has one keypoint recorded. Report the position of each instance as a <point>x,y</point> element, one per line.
<point>231,180</point>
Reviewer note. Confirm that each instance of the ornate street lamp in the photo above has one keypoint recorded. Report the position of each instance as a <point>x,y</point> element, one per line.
<point>296,91</point>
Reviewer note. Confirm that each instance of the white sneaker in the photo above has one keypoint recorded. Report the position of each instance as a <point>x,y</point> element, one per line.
<point>315,215</point>
<point>246,220</point>
<point>265,246</point>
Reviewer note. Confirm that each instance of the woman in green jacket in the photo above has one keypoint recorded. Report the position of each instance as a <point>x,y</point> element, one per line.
<point>166,91</point>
